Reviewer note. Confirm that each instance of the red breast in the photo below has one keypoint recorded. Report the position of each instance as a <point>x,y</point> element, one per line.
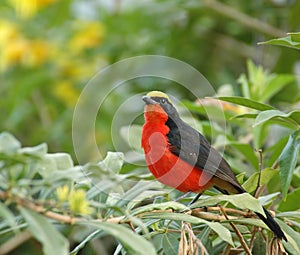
<point>163,164</point>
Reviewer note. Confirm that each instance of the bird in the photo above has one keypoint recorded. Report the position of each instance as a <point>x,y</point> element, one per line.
<point>180,157</point>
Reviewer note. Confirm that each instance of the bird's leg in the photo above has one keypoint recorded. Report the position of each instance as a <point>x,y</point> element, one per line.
<point>195,198</point>
<point>182,196</point>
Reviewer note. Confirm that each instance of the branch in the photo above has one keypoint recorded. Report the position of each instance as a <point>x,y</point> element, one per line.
<point>14,242</point>
<point>187,227</point>
<point>243,18</point>
<point>67,219</point>
<point>259,188</point>
<point>240,236</point>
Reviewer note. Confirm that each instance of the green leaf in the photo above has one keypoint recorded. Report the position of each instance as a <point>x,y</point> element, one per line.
<point>161,206</point>
<point>267,199</point>
<point>134,192</point>
<point>84,242</point>
<point>8,143</point>
<point>222,231</point>
<point>37,151</point>
<point>53,242</point>
<point>249,221</point>
<point>259,246</point>
<point>112,162</point>
<point>132,242</point>
<point>170,244</point>
<point>276,150</point>
<point>291,117</point>
<point>293,244</point>
<point>243,201</point>
<point>7,215</point>
<point>288,160</point>
<point>147,194</point>
<point>75,174</point>
<point>275,85</point>
<point>247,102</point>
<point>132,135</point>
<point>291,203</point>
<point>260,134</point>
<point>245,116</point>
<point>292,214</point>
<point>52,163</point>
<point>247,151</point>
<point>291,41</point>
<point>266,175</point>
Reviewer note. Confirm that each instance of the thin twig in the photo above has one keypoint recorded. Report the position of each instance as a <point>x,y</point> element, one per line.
<point>243,18</point>
<point>183,244</point>
<point>195,239</point>
<point>227,210</point>
<point>67,219</point>
<point>240,236</point>
<point>227,250</point>
<point>275,165</point>
<point>260,166</point>
<point>276,247</point>
<point>14,242</point>
<point>253,232</point>
<point>212,216</point>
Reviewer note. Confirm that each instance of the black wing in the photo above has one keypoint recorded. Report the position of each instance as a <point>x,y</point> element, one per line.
<point>188,144</point>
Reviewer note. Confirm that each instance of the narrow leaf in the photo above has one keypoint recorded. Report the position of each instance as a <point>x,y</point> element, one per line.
<point>266,175</point>
<point>161,206</point>
<point>291,117</point>
<point>132,242</point>
<point>293,244</point>
<point>8,143</point>
<point>53,242</point>
<point>112,162</point>
<point>84,242</point>
<point>147,194</point>
<point>134,192</point>
<point>292,201</point>
<point>245,116</point>
<point>243,201</point>
<point>259,245</point>
<point>7,215</point>
<point>170,244</point>
<point>290,41</point>
<point>276,85</point>
<point>223,232</point>
<point>288,160</point>
<point>247,102</point>
<point>247,151</point>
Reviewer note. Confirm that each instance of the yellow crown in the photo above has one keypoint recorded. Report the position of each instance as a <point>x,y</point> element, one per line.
<point>157,93</point>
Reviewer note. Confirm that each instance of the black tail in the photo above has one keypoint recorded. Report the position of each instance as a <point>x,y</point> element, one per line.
<point>268,220</point>
<point>272,224</point>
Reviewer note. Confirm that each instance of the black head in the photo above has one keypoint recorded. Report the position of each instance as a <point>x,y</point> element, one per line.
<point>157,97</point>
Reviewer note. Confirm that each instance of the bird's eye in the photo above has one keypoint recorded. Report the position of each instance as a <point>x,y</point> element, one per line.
<point>163,100</point>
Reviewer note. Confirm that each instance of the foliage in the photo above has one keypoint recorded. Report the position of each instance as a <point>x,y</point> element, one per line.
<point>37,187</point>
<point>50,49</point>
<point>292,41</point>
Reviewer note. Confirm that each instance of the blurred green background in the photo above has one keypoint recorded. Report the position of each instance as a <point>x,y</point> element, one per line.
<point>50,49</point>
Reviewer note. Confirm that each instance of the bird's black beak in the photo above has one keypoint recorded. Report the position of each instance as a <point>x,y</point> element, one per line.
<point>149,100</point>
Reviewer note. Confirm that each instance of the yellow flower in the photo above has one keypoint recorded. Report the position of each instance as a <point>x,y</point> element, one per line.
<point>37,54</point>
<point>13,53</point>
<point>63,193</point>
<point>78,203</point>
<point>23,52</point>
<point>8,32</point>
<point>66,93</point>
<point>16,49</point>
<point>89,35</point>
<point>28,8</point>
